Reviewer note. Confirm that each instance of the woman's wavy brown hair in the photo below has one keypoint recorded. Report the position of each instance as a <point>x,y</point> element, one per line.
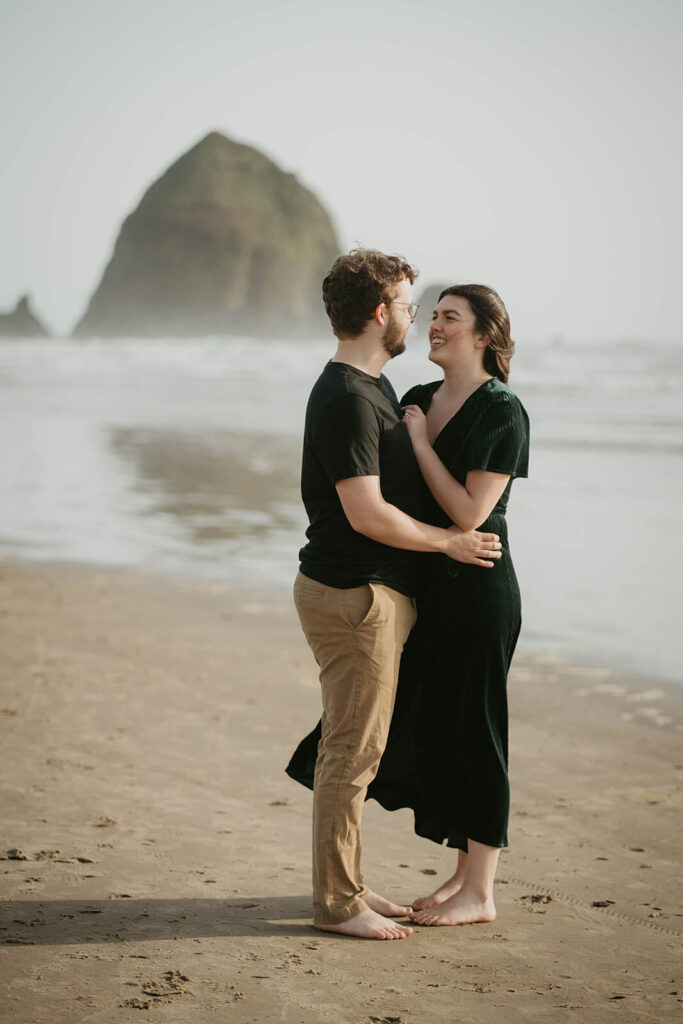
<point>490,319</point>
<point>357,283</point>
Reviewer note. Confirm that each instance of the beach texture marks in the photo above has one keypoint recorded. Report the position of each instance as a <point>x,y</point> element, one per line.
<point>156,858</point>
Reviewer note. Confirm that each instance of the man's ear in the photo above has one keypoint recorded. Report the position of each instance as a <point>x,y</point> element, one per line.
<point>380,314</point>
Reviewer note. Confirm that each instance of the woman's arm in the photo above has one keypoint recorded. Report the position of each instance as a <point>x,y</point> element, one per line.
<point>468,506</point>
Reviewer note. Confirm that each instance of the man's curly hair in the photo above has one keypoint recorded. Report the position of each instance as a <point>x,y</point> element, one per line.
<point>356,285</point>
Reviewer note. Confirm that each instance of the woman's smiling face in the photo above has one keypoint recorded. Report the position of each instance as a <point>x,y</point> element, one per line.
<point>452,333</point>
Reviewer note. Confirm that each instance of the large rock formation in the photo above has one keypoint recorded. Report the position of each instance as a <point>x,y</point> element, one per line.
<point>22,322</point>
<point>223,243</point>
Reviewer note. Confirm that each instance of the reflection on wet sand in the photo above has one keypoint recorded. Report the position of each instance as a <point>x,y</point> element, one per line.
<point>216,485</point>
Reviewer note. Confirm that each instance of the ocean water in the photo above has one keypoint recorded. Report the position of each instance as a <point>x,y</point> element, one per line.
<point>182,457</point>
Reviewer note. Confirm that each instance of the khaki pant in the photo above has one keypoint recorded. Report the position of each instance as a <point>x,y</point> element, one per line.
<point>357,636</point>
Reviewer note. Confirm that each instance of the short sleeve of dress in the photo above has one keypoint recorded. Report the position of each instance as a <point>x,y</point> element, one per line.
<point>347,438</point>
<point>500,439</point>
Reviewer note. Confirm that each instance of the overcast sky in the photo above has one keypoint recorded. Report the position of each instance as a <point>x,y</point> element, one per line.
<point>534,145</point>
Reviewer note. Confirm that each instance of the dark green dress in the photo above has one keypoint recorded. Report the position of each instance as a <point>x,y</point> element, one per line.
<point>447,752</point>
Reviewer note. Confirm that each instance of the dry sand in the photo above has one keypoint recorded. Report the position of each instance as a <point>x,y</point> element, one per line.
<point>162,870</point>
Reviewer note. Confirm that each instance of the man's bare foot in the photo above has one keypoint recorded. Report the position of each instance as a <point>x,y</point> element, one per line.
<point>385,907</point>
<point>444,892</point>
<point>368,925</point>
<point>462,908</point>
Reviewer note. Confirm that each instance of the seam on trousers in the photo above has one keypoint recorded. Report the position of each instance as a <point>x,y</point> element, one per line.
<point>355,716</point>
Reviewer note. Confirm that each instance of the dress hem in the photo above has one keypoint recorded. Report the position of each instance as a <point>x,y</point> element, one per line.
<point>423,826</point>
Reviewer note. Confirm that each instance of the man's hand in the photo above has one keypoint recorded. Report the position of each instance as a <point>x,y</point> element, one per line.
<point>472,547</point>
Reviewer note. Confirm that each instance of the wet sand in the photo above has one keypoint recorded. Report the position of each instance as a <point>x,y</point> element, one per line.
<point>157,857</point>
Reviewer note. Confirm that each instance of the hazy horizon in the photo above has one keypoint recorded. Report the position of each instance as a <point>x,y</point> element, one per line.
<point>533,147</point>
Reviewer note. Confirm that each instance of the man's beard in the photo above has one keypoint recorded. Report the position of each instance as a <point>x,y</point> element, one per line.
<point>393,339</point>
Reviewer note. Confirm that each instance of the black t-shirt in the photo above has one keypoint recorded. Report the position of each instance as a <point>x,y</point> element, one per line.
<point>354,428</point>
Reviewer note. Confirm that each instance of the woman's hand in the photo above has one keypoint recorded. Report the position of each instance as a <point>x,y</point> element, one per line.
<point>416,424</point>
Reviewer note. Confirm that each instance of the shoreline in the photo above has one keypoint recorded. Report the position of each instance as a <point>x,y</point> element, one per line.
<point>547,649</point>
<point>146,723</point>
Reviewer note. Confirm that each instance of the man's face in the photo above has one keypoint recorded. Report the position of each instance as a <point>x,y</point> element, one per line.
<point>399,319</point>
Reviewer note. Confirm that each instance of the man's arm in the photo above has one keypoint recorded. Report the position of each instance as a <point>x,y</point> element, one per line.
<point>369,514</point>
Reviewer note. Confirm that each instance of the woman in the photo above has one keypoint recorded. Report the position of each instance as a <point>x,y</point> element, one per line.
<point>446,756</point>
<point>470,436</point>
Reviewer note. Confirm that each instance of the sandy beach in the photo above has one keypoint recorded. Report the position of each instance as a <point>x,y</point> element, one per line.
<point>156,857</point>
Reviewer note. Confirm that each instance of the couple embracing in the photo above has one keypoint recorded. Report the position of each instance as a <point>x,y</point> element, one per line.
<point>406,592</point>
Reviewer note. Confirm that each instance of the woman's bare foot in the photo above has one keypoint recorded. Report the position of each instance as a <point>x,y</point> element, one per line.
<point>444,892</point>
<point>385,907</point>
<point>368,925</point>
<point>462,908</point>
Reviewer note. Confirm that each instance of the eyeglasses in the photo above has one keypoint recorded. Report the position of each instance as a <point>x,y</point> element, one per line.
<point>412,307</point>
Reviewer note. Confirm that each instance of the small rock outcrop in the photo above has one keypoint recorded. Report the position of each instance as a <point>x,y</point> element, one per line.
<point>428,299</point>
<point>22,322</point>
<point>224,242</point>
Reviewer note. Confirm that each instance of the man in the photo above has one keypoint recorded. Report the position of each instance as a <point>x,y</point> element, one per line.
<point>362,490</point>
